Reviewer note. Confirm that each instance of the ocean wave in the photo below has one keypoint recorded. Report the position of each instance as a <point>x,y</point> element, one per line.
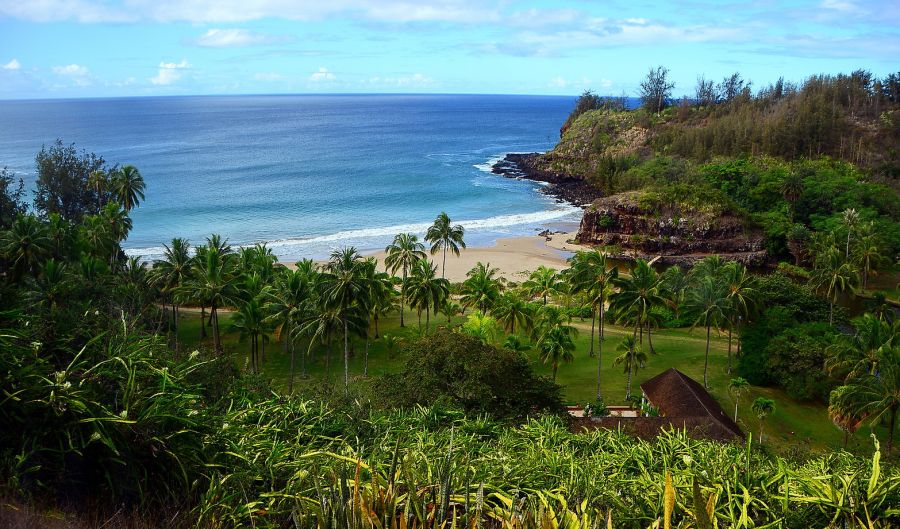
<point>366,235</point>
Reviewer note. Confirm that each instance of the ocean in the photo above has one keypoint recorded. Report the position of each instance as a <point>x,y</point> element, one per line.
<point>307,174</point>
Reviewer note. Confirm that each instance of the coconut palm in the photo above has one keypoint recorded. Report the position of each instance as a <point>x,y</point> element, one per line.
<point>127,186</point>
<point>427,291</point>
<point>844,417</point>
<point>850,218</point>
<point>737,387</point>
<point>742,295</point>
<point>592,276</point>
<point>710,266</point>
<point>170,273</point>
<point>514,342</point>
<point>762,407</point>
<point>443,236</point>
<point>402,253</point>
<point>834,275</point>
<point>481,326</point>
<point>480,289</point>
<point>709,304</point>
<point>345,290</point>
<point>555,346</point>
<point>675,283</point>
<point>791,189</point>
<point>638,295</point>
<point>322,325</point>
<point>51,286</point>
<point>874,342</point>
<point>632,357</point>
<point>511,310</point>
<point>214,285</point>
<point>249,321</point>
<point>380,299</point>
<point>99,181</point>
<point>24,246</point>
<point>289,302</point>
<point>543,282</point>
<point>867,254</point>
<point>94,233</point>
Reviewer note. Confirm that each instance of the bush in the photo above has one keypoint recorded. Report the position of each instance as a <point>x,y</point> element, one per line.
<point>475,376</point>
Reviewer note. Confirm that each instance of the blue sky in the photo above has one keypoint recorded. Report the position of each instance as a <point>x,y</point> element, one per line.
<point>95,48</point>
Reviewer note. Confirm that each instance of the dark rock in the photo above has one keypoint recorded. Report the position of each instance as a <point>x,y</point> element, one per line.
<point>564,187</point>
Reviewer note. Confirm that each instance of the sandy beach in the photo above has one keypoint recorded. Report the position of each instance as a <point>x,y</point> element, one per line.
<point>514,257</point>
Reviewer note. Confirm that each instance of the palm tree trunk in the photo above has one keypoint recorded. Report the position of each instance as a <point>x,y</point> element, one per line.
<point>375,317</point>
<point>831,313</point>
<point>628,385</point>
<point>346,356</point>
<point>735,409</point>
<point>291,383</point>
<point>706,361</point>
<point>427,318</point>
<point>599,362</point>
<point>729,349</point>
<point>444,266</point>
<point>593,321</point>
<point>650,340</point>
<point>202,322</point>
<point>303,358</point>
<point>555,367</point>
<point>891,422</point>
<point>760,431</point>
<point>215,323</point>
<point>403,297</point>
<point>366,367</point>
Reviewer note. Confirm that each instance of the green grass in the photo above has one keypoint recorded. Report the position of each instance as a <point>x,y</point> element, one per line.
<point>794,423</point>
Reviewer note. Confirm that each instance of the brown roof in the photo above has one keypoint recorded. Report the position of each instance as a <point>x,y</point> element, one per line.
<point>650,427</point>
<point>678,396</point>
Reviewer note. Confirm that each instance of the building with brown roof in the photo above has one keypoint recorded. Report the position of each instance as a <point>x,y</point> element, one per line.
<point>682,404</point>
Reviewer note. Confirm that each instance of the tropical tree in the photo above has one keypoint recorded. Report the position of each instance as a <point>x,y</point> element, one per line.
<point>289,302</point>
<point>843,416</point>
<point>632,357</point>
<point>51,286</point>
<point>249,321</point>
<point>426,290</point>
<point>481,326</point>
<point>511,310</point>
<point>99,181</point>
<point>874,396</point>
<point>214,284</point>
<point>737,387</point>
<point>171,272</point>
<point>379,299</point>
<point>791,189</point>
<point>443,236</point>
<point>867,254</point>
<point>850,218</point>
<point>481,288</point>
<point>127,186</point>
<point>709,304</point>
<point>762,407</point>
<point>592,275</point>
<point>344,290</point>
<point>638,295</point>
<point>24,246</point>
<point>874,342</point>
<point>834,275</point>
<point>402,254</point>
<point>742,295</point>
<point>514,342</point>
<point>555,346</point>
<point>543,282</point>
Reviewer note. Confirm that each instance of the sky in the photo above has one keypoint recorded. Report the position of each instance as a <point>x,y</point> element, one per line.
<point>111,48</point>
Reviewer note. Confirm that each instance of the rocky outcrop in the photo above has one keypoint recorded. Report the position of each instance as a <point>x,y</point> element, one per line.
<point>635,225</point>
<point>563,186</point>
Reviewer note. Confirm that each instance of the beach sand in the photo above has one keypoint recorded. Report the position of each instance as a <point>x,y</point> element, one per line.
<point>514,257</point>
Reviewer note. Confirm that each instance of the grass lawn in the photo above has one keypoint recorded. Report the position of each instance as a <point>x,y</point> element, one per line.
<point>794,423</point>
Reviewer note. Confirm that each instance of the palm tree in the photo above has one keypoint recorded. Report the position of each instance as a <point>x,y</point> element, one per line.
<point>843,416</point>
<point>851,221</point>
<point>708,301</point>
<point>835,275</point>
<point>591,275</point>
<point>632,357</point>
<point>379,296</point>
<point>345,290</point>
<point>868,255</point>
<point>675,283</point>
<point>24,246</point>
<point>510,310</point>
<point>762,407</point>
<point>95,234</point>
<point>710,266</point>
<point>402,253</point>
<point>480,289</point>
<point>481,326</point>
<point>737,387</point>
<point>171,272</point>
<point>515,343</point>
<point>543,282</point>
<point>742,296</point>
<point>426,290</point>
<point>639,294</point>
<point>289,303</point>
<point>213,283</point>
<point>555,346</point>
<point>791,189</point>
<point>99,182</point>
<point>249,321</point>
<point>321,325</point>
<point>442,235</point>
<point>875,342</point>
<point>128,186</point>
<point>51,285</point>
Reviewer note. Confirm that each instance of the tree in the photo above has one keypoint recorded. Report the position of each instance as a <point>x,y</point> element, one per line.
<point>705,92</point>
<point>639,294</point>
<point>62,182</point>
<point>762,407</point>
<point>127,186</point>
<point>730,87</point>
<point>543,282</point>
<point>213,283</point>
<point>172,272</point>
<point>555,346</point>
<point>737,387</point>
<point>249,321</point>
<point>867,253</point>
<point>443,236</point>
<point>844,418</point>
<point>874,396</point>
<point>592,275</point>
<point>792,189</point>
<point>12,198</point>
<point>851,221</point>
<point>288,304</point>
<point>481,326</point>
<point>632,357</point>
<point>480,289</point>
<point>656,90</point>
<point>379,299</point>
<point>345,291</point>
<point>709,304</point>
<point>835,275</point>
<point>24,246</point>
<point>402,253</point>
<point>511,310</point>
<point>873,343</point>
<point>741,297</point>
<point>426,290</point>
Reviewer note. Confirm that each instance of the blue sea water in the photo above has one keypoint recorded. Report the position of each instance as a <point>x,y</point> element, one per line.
<point>306,174</point>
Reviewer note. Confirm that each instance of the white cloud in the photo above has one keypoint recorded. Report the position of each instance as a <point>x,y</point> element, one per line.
<point>73,70</point>
<point>12,65</point>
<point>234,37</point>
<point>401,81</point>
<point>169,72</point>
<point>558,82</point>
<point>322,75</point>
